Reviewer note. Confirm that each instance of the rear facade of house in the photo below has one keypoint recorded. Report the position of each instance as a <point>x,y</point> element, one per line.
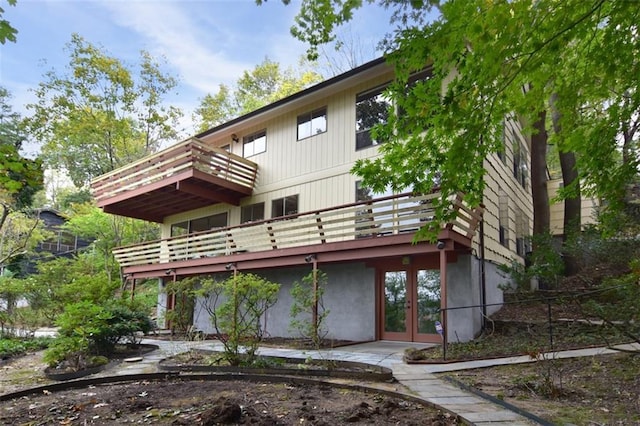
<point>272,193</point>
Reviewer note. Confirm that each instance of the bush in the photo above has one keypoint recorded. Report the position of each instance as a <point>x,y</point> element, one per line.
<point>236,306</point>
<point>11,346</point>
<point>67,349</point>
<point>308,314</point>
<point>87,328</point>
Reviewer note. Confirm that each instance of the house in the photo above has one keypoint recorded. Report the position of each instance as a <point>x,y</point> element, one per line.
<point>271,193</point>
<point>59,243</point>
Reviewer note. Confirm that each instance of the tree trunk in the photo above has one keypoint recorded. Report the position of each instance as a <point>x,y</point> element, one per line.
<point>572,205</point>
<point>539,194</point>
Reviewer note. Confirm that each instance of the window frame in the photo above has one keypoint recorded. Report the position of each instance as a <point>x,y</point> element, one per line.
<point>251,140</point>
<point>503,219</point>
<point>187,225</point>
<point>309,118</point>
<point>284,206</point>
<point>366,132</point>
<point>253,209</point>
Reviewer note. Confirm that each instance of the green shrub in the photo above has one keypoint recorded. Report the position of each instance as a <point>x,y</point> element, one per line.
<point>103,326</point>
<point>308,314</point>
<point>236,307</point>
<point>69,349</point>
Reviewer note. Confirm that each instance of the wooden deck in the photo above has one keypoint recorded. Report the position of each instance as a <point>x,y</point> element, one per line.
<point>184,177</point>
<point>350,226</point>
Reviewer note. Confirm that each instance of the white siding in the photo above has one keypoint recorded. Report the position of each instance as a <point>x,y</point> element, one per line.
<point>316,168</point>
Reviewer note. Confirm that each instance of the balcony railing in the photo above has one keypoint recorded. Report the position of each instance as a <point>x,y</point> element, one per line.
<point>191,154</point>
<point>376,218</point>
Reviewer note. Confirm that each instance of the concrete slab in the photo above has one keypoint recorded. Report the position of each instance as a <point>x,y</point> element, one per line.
<point>494,416</point>
<point>456,400</point>
<point>479,407</point>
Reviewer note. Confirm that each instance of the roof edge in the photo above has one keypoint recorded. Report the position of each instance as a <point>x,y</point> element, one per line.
<point>305,92</point>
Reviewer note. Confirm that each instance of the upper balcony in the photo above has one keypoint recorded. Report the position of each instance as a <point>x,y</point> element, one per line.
<point>183,177</point>
<point>360,231</point>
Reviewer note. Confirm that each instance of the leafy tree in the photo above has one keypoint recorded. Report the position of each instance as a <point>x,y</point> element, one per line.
<point>308,314</point>
<point>265,84</point>
<point>20,177</point>
<point>108,232</point>
<point>7,32</point>
<point>95,116</point>
<point>576,59</point>
<point>62,281</point>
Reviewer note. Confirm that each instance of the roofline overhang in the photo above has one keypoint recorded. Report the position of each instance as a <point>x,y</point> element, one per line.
<point>337,81</point>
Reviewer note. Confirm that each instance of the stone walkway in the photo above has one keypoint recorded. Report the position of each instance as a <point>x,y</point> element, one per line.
<point>416,378</point>
<point>420,379</point>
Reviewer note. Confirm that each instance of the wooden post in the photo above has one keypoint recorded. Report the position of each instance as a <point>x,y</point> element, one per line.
<point>133,288</point>
<point>443,300</point>
<point>314,313</point>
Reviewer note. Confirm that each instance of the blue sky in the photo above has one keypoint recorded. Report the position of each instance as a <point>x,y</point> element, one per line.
<point>205,42</point>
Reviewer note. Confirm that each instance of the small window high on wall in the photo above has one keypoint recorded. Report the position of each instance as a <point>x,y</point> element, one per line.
<point>312,123</point>
<point>254,144</point>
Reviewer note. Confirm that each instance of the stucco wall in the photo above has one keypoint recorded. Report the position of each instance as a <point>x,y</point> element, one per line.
<point>349,296</point>
<point>464,319</point>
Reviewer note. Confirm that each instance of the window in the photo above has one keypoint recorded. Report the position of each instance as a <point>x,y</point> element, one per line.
<point>180,228</point>
<point>201,224</point>
<point>312,123</point>
<point>209,222</point>
<point>252,213</point>
<point>523,242</point>
<point>255,144</point>
<point>502,155</point>
<point>371,108</point>
<point>503,219</point>
<point>520,163</point>
<point>284,206</point>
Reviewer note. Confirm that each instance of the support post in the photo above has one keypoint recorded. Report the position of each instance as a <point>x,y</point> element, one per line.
<point>443,300</point>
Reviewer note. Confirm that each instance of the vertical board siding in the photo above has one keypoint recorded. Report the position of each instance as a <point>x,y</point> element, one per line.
<point>316,168</point>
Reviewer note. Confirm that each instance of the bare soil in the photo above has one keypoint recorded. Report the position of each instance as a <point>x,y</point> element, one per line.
<point>179,402</point>
<point>599,390</point>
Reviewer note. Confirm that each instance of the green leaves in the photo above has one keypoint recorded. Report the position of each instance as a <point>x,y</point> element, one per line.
<point>96,116</point>
<point>265,84</point>
<point>493,59</point>
<point>7,32</point>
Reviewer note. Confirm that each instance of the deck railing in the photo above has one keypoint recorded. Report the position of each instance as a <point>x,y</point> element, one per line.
<point>190,154</point>
<point>380,217</point>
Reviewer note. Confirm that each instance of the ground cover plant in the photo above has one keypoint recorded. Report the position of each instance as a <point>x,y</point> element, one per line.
<point>16,346</point>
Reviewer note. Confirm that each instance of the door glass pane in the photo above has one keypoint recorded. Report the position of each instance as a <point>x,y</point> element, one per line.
<point>428,300</point>
<point>395,301</point>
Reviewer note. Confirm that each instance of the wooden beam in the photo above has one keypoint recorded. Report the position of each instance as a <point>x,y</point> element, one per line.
<point>137,214</point>
<point>200,191</point>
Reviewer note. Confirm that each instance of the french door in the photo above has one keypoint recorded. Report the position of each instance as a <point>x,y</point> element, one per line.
<point>409,303</point>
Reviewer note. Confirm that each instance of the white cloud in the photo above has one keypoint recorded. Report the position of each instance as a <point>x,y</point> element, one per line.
<point>203,50</point>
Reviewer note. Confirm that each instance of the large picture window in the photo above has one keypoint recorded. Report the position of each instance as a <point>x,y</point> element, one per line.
<point>200,224</point>
<point>254,144</point>
<point>371,108</point>
<point>284,206</point>
<point>312,123</point>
